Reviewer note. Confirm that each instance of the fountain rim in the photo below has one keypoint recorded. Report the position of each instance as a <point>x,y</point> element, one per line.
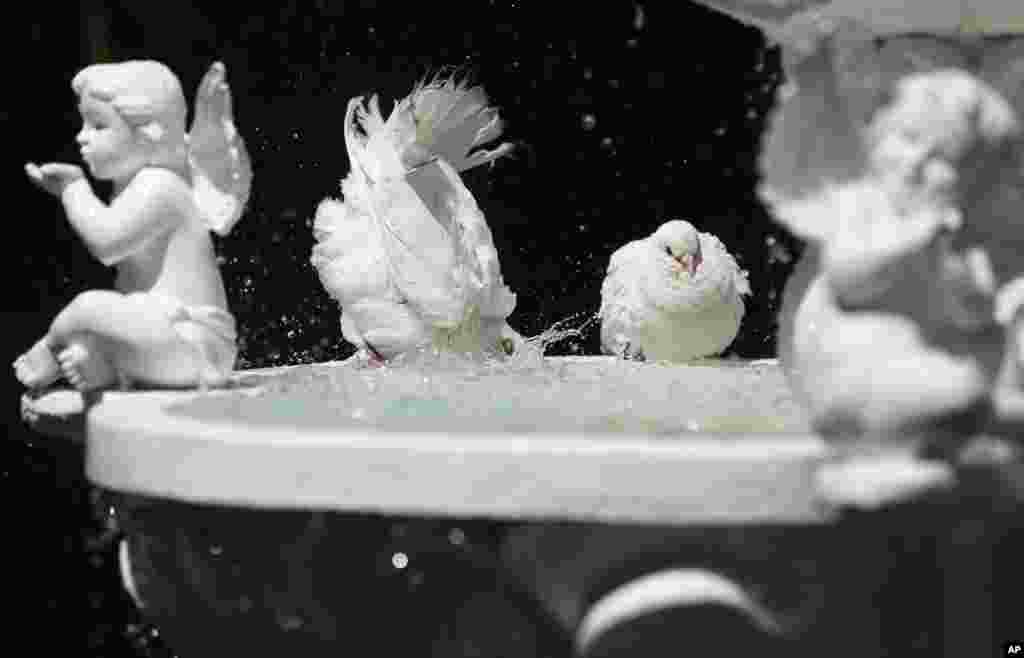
<point>134,445</point>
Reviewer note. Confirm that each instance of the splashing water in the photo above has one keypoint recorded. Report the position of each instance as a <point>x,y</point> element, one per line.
<point>434,390</point>
<point>532,353</point>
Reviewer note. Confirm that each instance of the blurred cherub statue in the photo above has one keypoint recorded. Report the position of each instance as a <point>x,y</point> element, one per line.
<point>897,333</point>
<point>167,324</point>
<point>895,150</point>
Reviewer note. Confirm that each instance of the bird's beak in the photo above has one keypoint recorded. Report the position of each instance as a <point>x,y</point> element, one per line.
<point>691,262</point>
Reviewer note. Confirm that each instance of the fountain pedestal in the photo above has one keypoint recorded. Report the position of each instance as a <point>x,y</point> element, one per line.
<point>275,538</point>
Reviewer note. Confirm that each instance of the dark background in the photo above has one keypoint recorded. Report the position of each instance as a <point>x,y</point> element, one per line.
<point>625,114</point>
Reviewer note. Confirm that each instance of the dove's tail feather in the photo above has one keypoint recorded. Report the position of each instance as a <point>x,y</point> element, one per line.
<point>452,120</point>
<point>365,115</point>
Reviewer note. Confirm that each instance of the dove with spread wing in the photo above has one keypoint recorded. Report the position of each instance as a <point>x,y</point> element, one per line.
<point>407,251</point>
<point>675,295</point>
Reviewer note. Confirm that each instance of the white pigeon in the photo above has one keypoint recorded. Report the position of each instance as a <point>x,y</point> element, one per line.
<point>676,295</point>
<point>407,251</point>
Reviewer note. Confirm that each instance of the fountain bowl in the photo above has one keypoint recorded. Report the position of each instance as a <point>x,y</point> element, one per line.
<point>268,516</point>
<point>287,453</point>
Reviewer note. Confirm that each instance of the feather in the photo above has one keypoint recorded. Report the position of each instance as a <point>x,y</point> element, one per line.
<point>441,118</point>
<point>407,250</point>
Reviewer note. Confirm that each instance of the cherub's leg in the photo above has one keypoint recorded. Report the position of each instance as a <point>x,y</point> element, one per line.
<point>37,367</point>
<point>883,378</point>
<point>103,335</point>
<point>85,364</point>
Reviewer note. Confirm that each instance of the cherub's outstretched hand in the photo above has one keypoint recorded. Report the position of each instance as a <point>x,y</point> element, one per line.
<point>53,176</point>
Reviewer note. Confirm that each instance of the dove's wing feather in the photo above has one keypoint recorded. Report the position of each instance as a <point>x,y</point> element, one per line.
<point>622,296</point>
<point>348,256</point>
<point>475,250</point>
<point>424,256</point>
<point>417,261</point>
<point>389,328</point>
<point>724,273</point>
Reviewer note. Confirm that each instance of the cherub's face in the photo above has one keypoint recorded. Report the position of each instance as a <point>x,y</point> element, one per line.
<point>110,147</point>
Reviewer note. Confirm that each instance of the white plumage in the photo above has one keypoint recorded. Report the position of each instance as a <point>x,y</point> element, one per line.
<point>675,295</point>
<point>407,251</point>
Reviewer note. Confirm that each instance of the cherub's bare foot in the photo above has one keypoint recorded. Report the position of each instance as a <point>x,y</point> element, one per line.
<point>37,367</point>
<point>84,370</point>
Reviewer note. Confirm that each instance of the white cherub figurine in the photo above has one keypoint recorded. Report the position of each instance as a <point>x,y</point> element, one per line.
<point>167,324</point>
<point>895,150</point>
<point>898,333</point>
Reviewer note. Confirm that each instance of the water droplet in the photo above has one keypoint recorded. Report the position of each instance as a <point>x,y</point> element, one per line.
<point>589,121</point>
<point>778,253</point>
<point>216,550</point>
<point>639,18</point>
<point>457,537</point>
<point>399,560</point>
<point>289,622</point>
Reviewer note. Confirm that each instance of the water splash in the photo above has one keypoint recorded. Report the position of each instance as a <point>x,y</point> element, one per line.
<point>528,393</point>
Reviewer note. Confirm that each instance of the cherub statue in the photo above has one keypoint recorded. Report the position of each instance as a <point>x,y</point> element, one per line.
<point>895,151</point>
<point>898,333</point>
<point>167,323</point>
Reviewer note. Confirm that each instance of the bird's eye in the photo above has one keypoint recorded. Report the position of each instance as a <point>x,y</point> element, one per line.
<point>668,250</point>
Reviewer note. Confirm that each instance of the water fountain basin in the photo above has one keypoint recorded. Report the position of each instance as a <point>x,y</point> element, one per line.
<point>255,520</point>
<point>192,446</point>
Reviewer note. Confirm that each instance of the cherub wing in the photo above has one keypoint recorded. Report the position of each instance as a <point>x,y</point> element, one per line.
<point>221,170</point>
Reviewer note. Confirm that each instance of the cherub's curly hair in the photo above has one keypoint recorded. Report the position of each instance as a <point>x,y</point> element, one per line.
<point>148,96</point>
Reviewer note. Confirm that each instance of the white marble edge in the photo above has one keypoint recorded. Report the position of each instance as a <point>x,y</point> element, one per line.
<point>134,445</point>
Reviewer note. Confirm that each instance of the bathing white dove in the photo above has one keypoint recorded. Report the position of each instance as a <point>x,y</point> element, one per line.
<point>407,252</point>
<point>676,295</point>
